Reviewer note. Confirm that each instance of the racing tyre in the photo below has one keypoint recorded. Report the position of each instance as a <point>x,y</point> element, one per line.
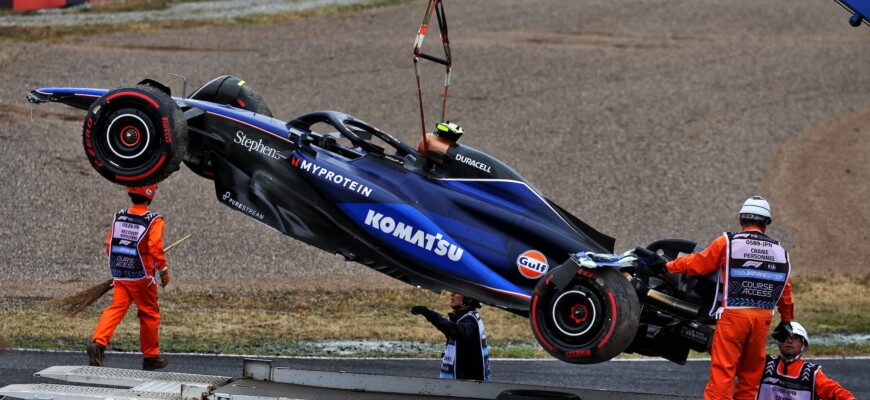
<point>250,100</point>
<point>592,320</point>
<point>135,136</point>
<point>227,89</point>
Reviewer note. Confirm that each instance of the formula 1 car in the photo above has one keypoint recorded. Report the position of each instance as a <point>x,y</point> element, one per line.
<point>442,215</point>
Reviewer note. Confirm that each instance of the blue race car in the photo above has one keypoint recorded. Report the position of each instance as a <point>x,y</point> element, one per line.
<point>441,215</point>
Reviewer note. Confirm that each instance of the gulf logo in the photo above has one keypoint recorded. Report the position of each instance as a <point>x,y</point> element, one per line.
<point>532,264</point>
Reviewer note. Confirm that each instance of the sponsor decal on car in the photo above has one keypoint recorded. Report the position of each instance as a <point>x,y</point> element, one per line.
<point>532,264</point>
<point>472,162</point>
<point>434,243</point>
<point>256,146</point>
<point>227,197</point>
<point>330,176</point>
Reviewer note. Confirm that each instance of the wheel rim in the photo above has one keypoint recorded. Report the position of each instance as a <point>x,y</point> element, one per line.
<point>130,136</point>
<point>576,313</point>
<point>124,135</point>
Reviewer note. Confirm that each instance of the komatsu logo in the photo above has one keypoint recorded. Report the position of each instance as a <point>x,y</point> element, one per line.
<point>434,243</point>
<point>330,176</point>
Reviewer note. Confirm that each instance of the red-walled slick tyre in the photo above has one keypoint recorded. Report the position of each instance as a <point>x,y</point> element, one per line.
<point>135,135</point>
<point>592,320</point>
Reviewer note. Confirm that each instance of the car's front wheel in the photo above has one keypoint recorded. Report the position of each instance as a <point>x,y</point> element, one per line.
<point>135,135</point>
<point>593,319</point>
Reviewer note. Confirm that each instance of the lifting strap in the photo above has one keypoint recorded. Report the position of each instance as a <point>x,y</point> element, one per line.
<point>447,61</point>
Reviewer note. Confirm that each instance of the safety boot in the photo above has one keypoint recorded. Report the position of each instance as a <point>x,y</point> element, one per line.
<point>152,363</point>
<point>96,354</point>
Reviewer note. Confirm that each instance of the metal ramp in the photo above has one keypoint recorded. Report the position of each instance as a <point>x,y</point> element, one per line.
<point>43,391</point>
<point>258,373</point>
<point>139,385</point>
<point>261,381</point>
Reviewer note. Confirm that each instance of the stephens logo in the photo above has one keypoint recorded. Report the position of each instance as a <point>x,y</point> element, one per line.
<point>532,264</point>
<point>256,146</point>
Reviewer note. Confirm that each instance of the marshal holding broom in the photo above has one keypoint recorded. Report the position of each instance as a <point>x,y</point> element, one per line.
<point>136,259</point>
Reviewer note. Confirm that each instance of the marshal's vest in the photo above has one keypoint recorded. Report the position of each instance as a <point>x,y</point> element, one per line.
<point>756,271</point>
<point>776,386</point>
<point>128,230</point>
<point>448,362</point>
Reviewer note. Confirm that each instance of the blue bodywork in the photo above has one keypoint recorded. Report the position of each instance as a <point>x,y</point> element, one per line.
<point>489,235</point>
<point>860,10</point>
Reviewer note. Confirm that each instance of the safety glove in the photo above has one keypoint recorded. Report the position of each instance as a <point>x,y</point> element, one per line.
<point>650,263</point>
<point>417,310</point>
<point>164,276</point>
<point>782,332</point>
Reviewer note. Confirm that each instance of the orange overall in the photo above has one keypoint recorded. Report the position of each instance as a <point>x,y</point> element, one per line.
<point>739,343</point>
<point>802,376</point>
<point>141,291</point>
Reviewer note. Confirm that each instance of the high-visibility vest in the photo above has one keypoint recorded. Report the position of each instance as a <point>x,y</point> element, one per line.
<point>756,272</point>
<point>128,230</point>
<point>448,361</point>
<point>776,386</point>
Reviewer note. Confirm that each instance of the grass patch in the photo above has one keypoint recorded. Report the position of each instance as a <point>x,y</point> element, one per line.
<point>126,6</point>
<point>65,33</point>
<point>294,323</point>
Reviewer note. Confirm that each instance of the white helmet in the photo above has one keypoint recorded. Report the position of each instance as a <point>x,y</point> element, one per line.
<point>798,330</point>
<point>757,208</point>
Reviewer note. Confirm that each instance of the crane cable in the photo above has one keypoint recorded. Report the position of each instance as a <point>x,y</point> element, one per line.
<point>447,61</point>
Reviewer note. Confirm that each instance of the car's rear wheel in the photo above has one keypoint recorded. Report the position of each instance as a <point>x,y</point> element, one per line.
<point>227,89</point>
<point>251,100</point>
<point>593,319</point>
<point>135,135</point>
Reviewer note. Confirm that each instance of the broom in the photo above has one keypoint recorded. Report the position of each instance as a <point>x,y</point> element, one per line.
<point>4,344</point>
<point>75,303</point>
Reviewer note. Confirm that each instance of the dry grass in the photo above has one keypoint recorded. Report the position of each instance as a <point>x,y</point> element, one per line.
<point>127,5</point>
<point>272,322</point>
<point>833,304</point>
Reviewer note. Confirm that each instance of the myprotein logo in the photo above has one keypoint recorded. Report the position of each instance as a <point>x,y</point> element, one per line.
<point>532,264</point>
<point>330,176</point>
<point>256,146</point>
<point>427,241</point>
